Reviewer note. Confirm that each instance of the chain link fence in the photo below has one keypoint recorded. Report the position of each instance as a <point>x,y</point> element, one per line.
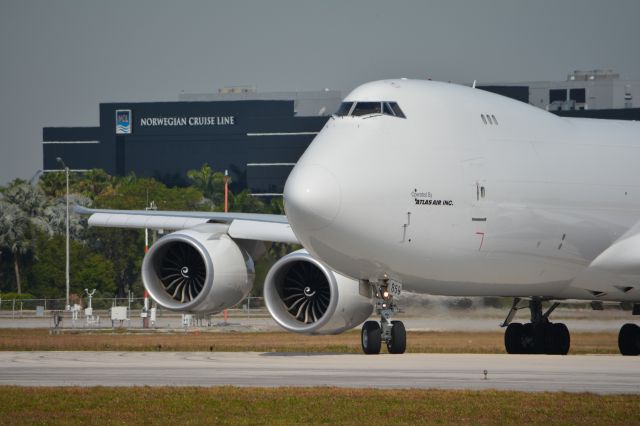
<point>54,311</point>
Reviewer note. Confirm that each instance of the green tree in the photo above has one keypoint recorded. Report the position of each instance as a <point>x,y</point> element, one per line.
<point>124,248</point>
<point>55,216</point>
<point>21,217</point>
<point>88,269</point>
<point>245,202</point>
<point>14,229</point>
<point>210,183</point>
<point>135,193</point>
<point>31,200</point>
<point>48,274</point>
<point>95,271</point>
<point>29,217</point>
<point>54,184</point>
<point>277,205</point>
<point>94,183</point>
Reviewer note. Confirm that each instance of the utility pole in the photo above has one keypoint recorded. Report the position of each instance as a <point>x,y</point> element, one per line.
<point>66,169</point>
<point>145,309</point>
<point>226,191</point>
<point>226,210</point>
<point>151,206</point>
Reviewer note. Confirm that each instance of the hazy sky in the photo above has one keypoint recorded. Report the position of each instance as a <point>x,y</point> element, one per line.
<point>60,59</point>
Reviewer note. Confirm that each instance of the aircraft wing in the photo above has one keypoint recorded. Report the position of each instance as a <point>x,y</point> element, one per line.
<point>623,255</point>
<point>616,269</point>
<point>248,226</point>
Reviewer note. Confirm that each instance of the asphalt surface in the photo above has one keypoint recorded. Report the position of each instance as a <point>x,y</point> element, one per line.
<point>581,373</point>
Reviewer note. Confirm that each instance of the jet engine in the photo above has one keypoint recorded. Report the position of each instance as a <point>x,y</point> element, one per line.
<point>199,270</point>
<point>304,296</point>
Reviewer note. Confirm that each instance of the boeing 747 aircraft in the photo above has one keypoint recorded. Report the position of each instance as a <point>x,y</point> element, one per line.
<point>432,188</point>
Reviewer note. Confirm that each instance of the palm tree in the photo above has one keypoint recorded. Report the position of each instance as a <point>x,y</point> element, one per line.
<point>247,203</point>
<point>31,200</point>
<point>14,227</point>
<point>210,183</point>
<point>24,209</point>
<point>277,205</point>
<point>53,184</point>
<point>54,217</point>
<point>93,183</point>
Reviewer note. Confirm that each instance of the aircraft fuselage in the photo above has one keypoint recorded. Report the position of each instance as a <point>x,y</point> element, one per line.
<point>470,194</point>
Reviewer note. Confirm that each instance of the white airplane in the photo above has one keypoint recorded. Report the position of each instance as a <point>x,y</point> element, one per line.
<point>428,187</point>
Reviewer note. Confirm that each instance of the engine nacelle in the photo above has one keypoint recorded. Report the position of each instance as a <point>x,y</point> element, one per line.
<point>304,296</point>
<point>199,270</point>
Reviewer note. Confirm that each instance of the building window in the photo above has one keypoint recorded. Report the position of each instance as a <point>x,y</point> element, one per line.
<point>578,95</point>
<point>557,95</point>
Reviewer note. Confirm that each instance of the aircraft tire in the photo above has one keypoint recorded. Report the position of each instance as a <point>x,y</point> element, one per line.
<point>371,338</point>
<point>543,338</point>
<point>629,339</point>
<point>398,342</point>
<point>561,339</point>
<point>528,339</point>
<point>513,338</point>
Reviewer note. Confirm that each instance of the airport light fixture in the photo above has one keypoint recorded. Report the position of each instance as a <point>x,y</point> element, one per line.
<point>66,170</point>
<point>35,175</point>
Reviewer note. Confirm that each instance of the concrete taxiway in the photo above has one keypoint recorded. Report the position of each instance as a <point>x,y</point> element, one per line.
<point>593,373</point>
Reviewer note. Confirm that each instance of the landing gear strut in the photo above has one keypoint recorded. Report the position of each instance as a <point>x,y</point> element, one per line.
<point>392,333</point>
<point>540,336</point>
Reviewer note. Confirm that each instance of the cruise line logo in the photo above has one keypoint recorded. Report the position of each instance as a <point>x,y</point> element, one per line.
<point>123,121</point>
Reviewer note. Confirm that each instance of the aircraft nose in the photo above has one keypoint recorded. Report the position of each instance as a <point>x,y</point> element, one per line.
<point>312,197</point>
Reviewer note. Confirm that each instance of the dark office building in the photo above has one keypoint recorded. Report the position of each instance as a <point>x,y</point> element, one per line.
<point>258,141</point>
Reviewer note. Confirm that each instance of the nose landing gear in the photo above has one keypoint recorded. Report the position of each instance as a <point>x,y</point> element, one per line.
<point>393,333</point>
<point>371,338</point>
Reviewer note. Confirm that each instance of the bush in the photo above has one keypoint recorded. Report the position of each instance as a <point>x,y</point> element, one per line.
<point>16,296</point>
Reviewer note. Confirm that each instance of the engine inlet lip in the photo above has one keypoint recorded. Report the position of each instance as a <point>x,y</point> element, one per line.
<point>277,309</point>
<point>155,287</point>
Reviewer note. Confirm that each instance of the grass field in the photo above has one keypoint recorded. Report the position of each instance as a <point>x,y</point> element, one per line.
<point>252,406</point>
<point>419,342</point>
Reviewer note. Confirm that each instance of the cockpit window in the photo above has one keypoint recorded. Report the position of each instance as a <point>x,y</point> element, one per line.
<point>344,109</point>
<point>366,108</point>
<point>396,109</point>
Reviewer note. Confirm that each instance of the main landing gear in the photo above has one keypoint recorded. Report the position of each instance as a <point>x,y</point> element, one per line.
<point>629,339</point>
<point>540,336</point>
<point>392,333</point>
<point>629,336</point>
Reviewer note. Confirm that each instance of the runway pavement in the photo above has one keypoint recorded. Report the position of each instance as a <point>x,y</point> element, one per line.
<point>593,373</point>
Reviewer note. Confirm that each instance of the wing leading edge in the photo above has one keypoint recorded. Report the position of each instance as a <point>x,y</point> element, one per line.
<point>248,226</point>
